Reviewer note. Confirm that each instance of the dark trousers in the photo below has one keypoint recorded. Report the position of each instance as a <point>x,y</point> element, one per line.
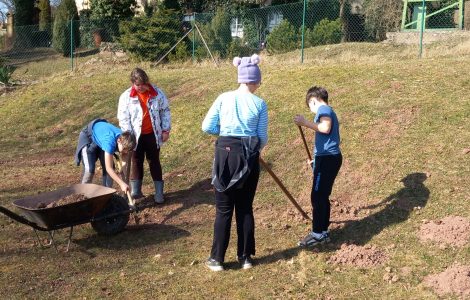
<point>325,170</point>
<point>146,148</point>
<point>242,200</point>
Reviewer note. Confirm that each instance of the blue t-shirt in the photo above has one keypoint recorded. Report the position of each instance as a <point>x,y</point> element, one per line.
<point>327,144</point>
<point>105,135</point>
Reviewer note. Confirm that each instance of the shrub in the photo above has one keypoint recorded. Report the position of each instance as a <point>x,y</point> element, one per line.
<point>148,38</point>
<point>283,38</point>
<point>201,53</point>
<point>382,16</point>
<point>326,32</point>
<point>44,15</point>
<point>218,34</point>
<point>238,48</point>
<point>181,53</point>
<point>250,34</point>
<point>112,9</point>
<point>66,11</point>
<point>6,72</point>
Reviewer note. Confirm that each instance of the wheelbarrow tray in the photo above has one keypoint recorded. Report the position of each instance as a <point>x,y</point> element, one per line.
<point>67,215</point>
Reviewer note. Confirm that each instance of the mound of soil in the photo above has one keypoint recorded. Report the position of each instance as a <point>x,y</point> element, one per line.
<point>353,255</point>
<point>451,230</point>
<point>454,280</point>
<point>63,201</point>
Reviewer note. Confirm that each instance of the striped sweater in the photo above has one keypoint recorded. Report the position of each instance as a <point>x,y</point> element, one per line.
<point>237,113</point>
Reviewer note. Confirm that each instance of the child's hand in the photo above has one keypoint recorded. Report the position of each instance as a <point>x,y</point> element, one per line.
<point>165,136</point>
<point>299,120</point>
<point>310,162</point>
<point>124,187</point>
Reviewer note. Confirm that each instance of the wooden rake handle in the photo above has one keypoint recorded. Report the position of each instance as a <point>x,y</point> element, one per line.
<point>305,142</point>
<point>128,193</point>
<point>283,188</point>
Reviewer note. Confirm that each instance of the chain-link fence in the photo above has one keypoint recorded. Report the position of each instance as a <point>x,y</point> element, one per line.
<point>169,36</point>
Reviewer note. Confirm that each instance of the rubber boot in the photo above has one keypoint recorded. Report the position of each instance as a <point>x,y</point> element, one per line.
<point>158,192</point>
<point>136,189</point>
<point>87,177</point>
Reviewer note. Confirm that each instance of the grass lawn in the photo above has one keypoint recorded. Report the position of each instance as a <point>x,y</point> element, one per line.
<point>401,117</point>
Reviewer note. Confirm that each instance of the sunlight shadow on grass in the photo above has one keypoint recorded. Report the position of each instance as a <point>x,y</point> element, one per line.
<point>134,237</point>
<point>285,254</point>
<point>199,193</point>
<point>397,208</point>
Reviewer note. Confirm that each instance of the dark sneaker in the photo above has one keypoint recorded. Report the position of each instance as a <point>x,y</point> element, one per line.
<point>214,265</point>
<point>313,239</point>
<point>245,262</point>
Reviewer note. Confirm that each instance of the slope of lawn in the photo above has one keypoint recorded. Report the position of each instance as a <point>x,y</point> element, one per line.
<point>400,116</point>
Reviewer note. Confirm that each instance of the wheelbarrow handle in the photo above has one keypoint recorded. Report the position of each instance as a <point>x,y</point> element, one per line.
<point>20,219</point>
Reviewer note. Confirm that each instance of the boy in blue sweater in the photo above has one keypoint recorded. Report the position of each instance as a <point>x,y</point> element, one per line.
<point>326,163</point>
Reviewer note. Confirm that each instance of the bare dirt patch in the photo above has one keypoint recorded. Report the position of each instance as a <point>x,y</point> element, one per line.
<point>451,230</point>
<point>454,280</point>
<point>358,256</point>
<point>40,159</point>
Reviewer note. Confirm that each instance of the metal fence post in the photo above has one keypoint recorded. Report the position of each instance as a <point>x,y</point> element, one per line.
<point>423,19</point>
<point>303,32</point>
<point>194,36</point>
<point>461,12</point>
<point>71,44</point>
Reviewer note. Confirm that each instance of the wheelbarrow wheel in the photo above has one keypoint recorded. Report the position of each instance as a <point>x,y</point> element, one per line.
<point>114,224</point>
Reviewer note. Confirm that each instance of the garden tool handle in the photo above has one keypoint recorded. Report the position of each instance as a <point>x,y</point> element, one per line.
<point>305,142</point>
<point>283,188</point>
<point>129,199</point>
<point>128,193</point>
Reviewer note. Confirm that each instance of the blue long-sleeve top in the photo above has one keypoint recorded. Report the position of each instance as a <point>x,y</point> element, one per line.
<point>238,114</point>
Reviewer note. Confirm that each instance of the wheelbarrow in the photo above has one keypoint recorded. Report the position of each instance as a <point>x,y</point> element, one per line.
<point>107,212</point>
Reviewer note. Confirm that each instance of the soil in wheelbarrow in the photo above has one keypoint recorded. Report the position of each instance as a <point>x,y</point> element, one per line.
<point>63,201</point>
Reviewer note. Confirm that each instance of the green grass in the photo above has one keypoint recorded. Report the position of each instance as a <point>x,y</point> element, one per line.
<point>399,116</point>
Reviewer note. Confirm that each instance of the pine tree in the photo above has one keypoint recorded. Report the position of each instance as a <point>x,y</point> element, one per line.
<point>24,10</point>
<point>44,15</point>
<point>112,9</point>
<point>148,38</point>
<point>66,11</point>
<point>171,4</point>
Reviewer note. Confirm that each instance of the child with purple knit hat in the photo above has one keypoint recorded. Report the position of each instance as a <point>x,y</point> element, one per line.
<point>240,119</point>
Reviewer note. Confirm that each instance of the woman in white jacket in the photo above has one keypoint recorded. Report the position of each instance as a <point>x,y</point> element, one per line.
<point>144,110</point>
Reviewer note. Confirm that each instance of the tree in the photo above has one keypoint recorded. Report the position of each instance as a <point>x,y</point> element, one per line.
<point>382,16</point>
<point>148,38</point>
<point>211,6</point>
<point>324,33</point>
<point>218,33</point>
<point>112,9</point>
<point>66,11</point>
<point>283,38</point>
<point>24,12</point>
<point>251,35</point>
<point>171,4</point>
<point>44,15</point>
